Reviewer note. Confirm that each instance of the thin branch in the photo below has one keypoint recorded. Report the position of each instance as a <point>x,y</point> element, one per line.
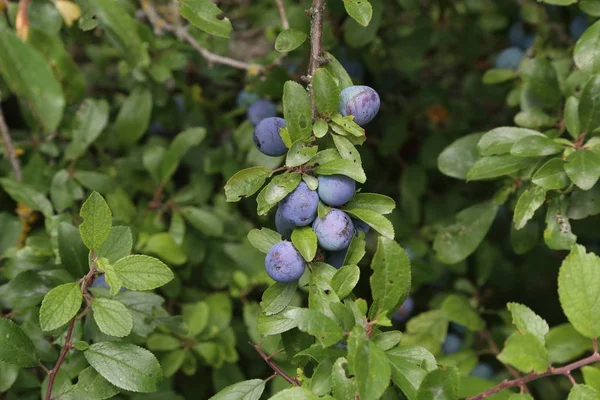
<point>63,353</point>
<point>42,366</point>
<point>276,368</point>
<point>485,334</point>
<point>22,20</point>
<point>566,371</point>
<point>283,14</point>
<point>10,149</point>
<point>316,34</point>
<point>160,25</point>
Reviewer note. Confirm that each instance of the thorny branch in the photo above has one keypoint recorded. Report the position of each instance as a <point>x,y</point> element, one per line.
<point>495,350</point>
<point>276,368</point>
<point>316,34</point>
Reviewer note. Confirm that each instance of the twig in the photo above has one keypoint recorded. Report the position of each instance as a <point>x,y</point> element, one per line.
<point>276,368</point>
<point>22,20</point>
<point>42,366</point>
<point>63,353</point>
<point>485,334</point>
<point>283,14</point>
<point>566,371</point>
<point>316,33</point>
<point>10,150</point>
<point>160,25</point>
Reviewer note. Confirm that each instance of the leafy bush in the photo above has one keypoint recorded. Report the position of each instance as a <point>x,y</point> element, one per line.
<point>149,128</point>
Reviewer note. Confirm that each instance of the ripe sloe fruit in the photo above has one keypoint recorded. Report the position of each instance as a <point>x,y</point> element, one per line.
<point>300,206</point>
<point>267,138</point>
<point>336,258</point>
<point>405,310</point>
<point>284,263</point>
<point>360,225</point>
<point>336,190</point>
<point>362,102</point>
<point>483,370</point>
<point>246,99</point>
<point>577,26</point>
<point>260,110</point>
<point>509,58</point>
<point>518,37</point>
<point>100,282</point>
<point>335,231</point>
<point>451,344</point>
<point>283,226</point>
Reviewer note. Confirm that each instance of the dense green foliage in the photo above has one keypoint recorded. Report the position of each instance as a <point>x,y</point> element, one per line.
<point>136,210</point>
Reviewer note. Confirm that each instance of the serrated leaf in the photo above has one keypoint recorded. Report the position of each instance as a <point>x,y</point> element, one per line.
<point>289,40</point>
<point>584,203</point>
<point>571,116</point>
<point>140,272</point>
<point>73,253</point>
<point>280,186</point>
<point>246,390</point>
<point>564,343</point>
<point>587,50</point>
<point>90,385</point>
<point>27,195</point>
<point>527,321</point>
<point>134,117</point>
<point>297,111</point>
<point>295,393</point>
<point>320,128</point>
<point>263,239</point>
<point>372,201</point>
<point>326,92</point>
<point>112,317</point>
<point>551,175</point>
<point>360,10</point>
<point>300,152</point>
<point>457,159</point>
<point>111,277</point>
<point>277,297</point>
<point>428,329</point>
<point>245,183</point>
<point>97,221</point>
<point>16,348</point>
<point>496,166</point>
<point>118,244</point>
<point>60,305</point>
<point>578,279</point>
<point>337,70</point>
<point>535,146</point>
<point>204,14</point>
<point>374,219</point>
<point>304,240</point>
<point>326,330</point>
<point>346,149</point>
<point>126,366</point>
<point>460,311</point>
<point>526,352</point>
<point>558,234</point>
<point>440,384</point>
<point>180,145</point>
<point>500,140</point>
<point>583,392</point>
<point>343,167</point>
<point>342,387</point>
<point>390,282</point>
<point>345,279</point>
<point>529,201</point>
<point>369,364</point>
<point>90,120</point>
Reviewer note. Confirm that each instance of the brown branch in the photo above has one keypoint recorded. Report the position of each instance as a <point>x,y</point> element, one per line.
<point>43,367</point>
<point>10,149</point>
<point>276,368</point>
<point>22,20</point>
<point>566,371</point>
<point>485,334</point>
<point>63,353</point>
<point>283,14</point>
<point>316,34</point>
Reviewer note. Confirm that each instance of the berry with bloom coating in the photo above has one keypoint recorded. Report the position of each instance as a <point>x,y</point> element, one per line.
<point>360,226</point>
<point>336,190</point>
<point>509,58</point>
<point>284,263</point>
<point>578,26</point>
<point>336,258</point>
<point>362,102</point>
<point>245,99</point>
<point>335,231</point>
<point>283,226</point>
<point>483,371</point>
<point>260,110</point>
<point>267,138</point>
<point>405,310</point>
<point>100,282</point>
<point>300,206</point>
<point>451,344</point>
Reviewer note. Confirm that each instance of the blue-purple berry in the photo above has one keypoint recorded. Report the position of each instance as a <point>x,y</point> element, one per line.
<point>334,231</point>
<point>336,258</point>
<point>260,110</point>
<point>518,37</point>
<point>578,25</point>
<point>361,226</point>
<point>452,344</point>
<point>483,371</point>
<point>336,190</point>
<point>405,310</point>
<point>267,138</point>
<point>362,102</point>
<point>509,58</point>
<point>300,206</point>
<point>284,263</point>
<point>100,282</point>
<point>246,99</point>
<point>283,226</point>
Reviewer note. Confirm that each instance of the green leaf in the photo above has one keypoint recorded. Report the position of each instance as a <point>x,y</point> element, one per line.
<point>15,346</point>
<point>140,272</point>
<point>526,352</point>
<point>178,148</point>
<point>27,195</point>
<point>163,342</point>
<point>112,278</point>
<point>498,75</point>
<point>341,386</point>
<point>590,7</point>
<point>277,297</point>
<point>501,140</point>
<point>558,234</point>
<point>274,324</point>
<point>589,105</point>
<point>535,146</point>
<point>456,242</point>
<point>571,116</point>
<point>337,70</point>
<point>112,317</point>
<point>289,40</point>
<point>407,372</point>
<point>582,204</point>
<point>295,393</point>
<point>375,220</point>
<point>440,384</point>
<point>372,201</point>
<point>327,331</point>
<point>118,244</point>
<point>304,240</point>
<point>495,166</point>
<point>325,91</point>
<point>297,111</point>
<point>126,366</point>
<point>90,120</point>
<point>529,201</point>
<point>348,125</point>
<point>280,186</point>
<point>122,28</point>
<point>60,305</point>
<point>460,311</point>
<point>578,279</point>
<point>320,128</point>
<point>263,239</point>
<point>356,35</point>
<point>551,175</point>
<point>343,167</point>
<point>95,181</point>
<point>8,376</point>
<point>203,220</point>
<point>527,321</point>
<point>72,251</point>
<point>204,14</point>
<point>245,183</point>
<point>390,282</point>
<point>29,77</point>
<point>587,50</point>
<point>97,221</point>
<point>345,279</point>
<point>90,385</point>
<point>583,392</point>
<point>346,149</point>
<point>564,343</point>
<point>162,245</point>
<point>134,116</point>
<point>368,363</point>
<point>356,251</point>
<point>196,317</point>
<point>360,10</point>
<point>245,390</point>
<point>591,376</point>
<point>457,159</point>
<point>300,152</point>
<point>427,329</point>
